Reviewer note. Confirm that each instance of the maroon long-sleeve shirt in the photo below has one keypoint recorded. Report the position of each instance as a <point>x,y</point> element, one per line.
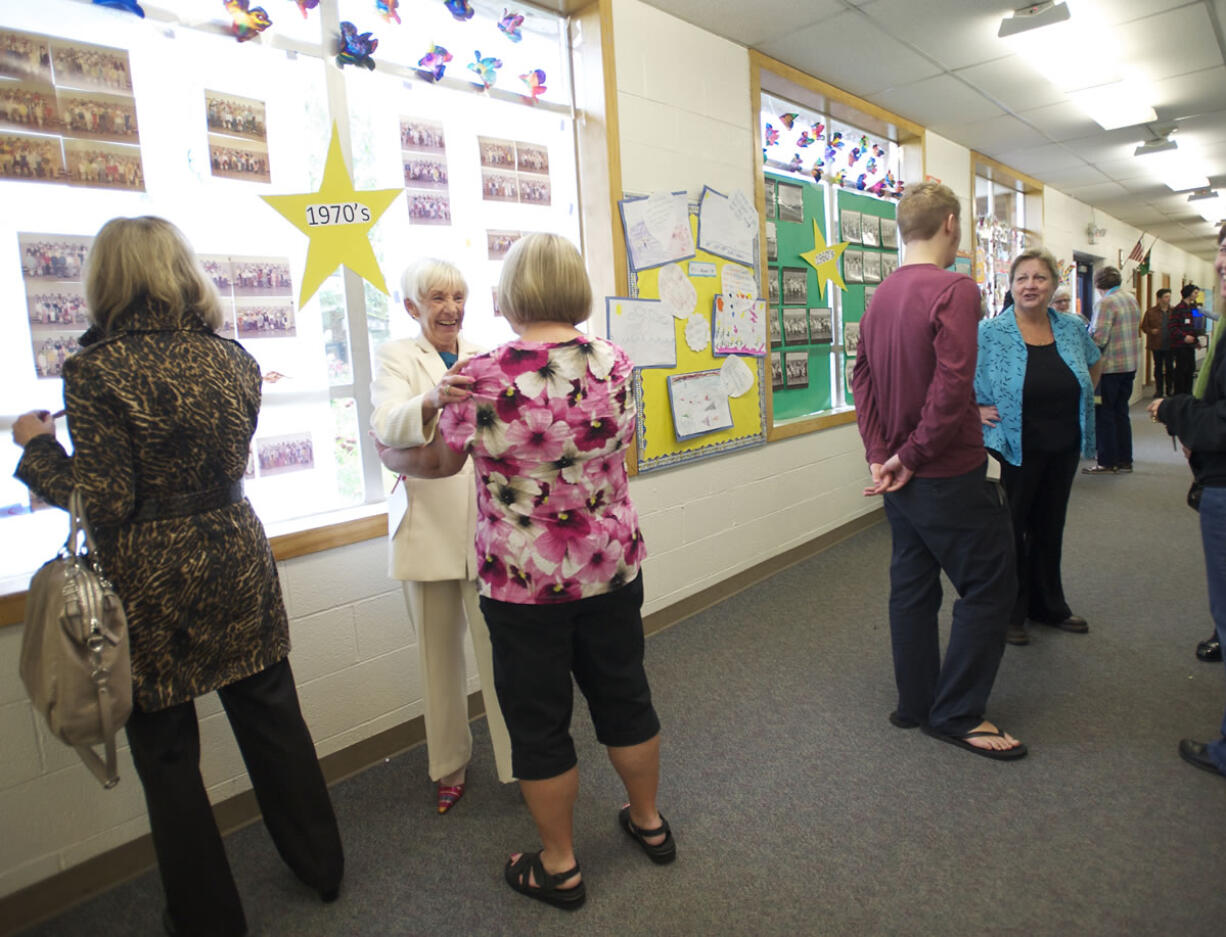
<point>914,377</point>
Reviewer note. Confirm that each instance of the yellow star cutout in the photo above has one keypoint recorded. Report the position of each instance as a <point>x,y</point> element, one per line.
<point>338,220</point>
<point>825,260</point>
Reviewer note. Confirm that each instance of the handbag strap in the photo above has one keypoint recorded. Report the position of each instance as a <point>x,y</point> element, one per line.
<point>78,525</point>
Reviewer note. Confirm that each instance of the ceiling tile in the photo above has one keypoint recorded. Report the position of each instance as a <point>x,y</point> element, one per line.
<point>956,33</point>
<point>1035,161</point>
<point>1060,122</point>
<point>1194,93</point>
<point>1012,82</point>
<point>992,135</point>
<point>849,51</point>
<point>1183,39</point>
<point>940,100</point>
<point>1076,173</point>
<point>745,22</point>
<point>1125,170</point>
<point>1093,194</point>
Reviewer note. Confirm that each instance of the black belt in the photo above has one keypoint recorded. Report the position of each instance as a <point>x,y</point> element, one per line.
<point>187,503</point>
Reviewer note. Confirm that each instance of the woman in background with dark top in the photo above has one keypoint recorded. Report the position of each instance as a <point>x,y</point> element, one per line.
<point>161,411</point>
<point>1035,382</point>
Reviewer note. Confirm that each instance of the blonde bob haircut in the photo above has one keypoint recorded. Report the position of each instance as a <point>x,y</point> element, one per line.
<point>544,280</point>
<point>146,260</point>
<point>430,273</point>
<point>923,210</point>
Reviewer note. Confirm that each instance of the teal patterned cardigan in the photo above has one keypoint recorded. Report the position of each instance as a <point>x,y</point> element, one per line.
<point>1001,372</point>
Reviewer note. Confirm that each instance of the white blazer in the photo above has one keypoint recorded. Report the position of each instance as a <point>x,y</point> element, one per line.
<point>430,521</point>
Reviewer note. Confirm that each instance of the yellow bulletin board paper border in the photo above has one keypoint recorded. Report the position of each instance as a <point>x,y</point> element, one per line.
<point>658,446</point>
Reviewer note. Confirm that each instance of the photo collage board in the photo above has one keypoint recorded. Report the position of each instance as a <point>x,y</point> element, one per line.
<point>869,226</point>
<point>802,319</point>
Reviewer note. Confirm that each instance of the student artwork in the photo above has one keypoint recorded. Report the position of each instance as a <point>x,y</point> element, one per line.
<point>460,9</point>
<point>337,219</point>
<point>795,163</point>
<point>699,403</point>
<point>354,48</point>
<point>772,139</point>
<point>805,139</point>
<point>535,80</point>
<point>127,6</point>
<point>871,166</point>
<point>432,65</point>
<point>735,376</point>
<point>788,120</point>
<point>387,9</point>
<point>818,168</point>
<point>305,5</point>
<point>657,229</point>
<point>248,21</point>
<point>511,25</point>
<point>676,291</point>
<point>697,333</point>
<point>833,145</point>
<point>739,330</point>
<point>486,69</point>
<point>643,328</point>
<point>723,230</point>
<point>825,260</point>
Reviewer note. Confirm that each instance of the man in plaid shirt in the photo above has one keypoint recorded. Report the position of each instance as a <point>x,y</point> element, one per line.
<point>1115,329</point>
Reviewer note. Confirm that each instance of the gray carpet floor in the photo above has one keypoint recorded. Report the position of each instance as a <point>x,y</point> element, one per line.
<point>798,809</point>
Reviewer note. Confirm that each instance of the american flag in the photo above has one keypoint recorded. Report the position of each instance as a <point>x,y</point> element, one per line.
<point>1138,254</point>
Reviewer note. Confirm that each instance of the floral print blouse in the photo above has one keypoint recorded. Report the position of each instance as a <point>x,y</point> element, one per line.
<point>547,425</point>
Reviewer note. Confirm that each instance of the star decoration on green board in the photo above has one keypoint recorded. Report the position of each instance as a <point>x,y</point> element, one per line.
<point>825,260</point>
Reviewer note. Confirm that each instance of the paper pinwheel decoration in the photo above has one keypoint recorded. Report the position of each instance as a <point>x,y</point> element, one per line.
<point>805,139</point>
<point>249,21</point>
<point>772,136</point>
<point>355,49</point>
<point>485,68</point>
<point>535,80</point>
<point>788,119</point>
<point>432,65</point>
<point>510,25</point>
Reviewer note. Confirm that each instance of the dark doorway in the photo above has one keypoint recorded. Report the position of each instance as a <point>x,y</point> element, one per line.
<point>1084,288</point>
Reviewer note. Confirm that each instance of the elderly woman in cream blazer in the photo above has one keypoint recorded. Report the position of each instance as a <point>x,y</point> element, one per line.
<point>431,523</point>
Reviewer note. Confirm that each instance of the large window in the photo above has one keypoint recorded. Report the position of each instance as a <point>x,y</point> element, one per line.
<point>172,116</point>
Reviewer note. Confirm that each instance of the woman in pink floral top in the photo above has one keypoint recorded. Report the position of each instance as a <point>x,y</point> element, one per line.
<point>547,419</point>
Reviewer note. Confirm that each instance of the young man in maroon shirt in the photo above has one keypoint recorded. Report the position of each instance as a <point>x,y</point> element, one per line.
<point>915,404</point>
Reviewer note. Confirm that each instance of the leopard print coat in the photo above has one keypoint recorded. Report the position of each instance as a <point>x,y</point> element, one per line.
<point>161,408</point>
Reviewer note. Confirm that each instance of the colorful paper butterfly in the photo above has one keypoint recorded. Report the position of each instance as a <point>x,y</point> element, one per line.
<point>248,23</point>
<point>387,9</point>
<point>128,6</point>
<point>818,128</point>
<point>510,24</point>
<point>355,48</point>
<point>805,139</point>
<point>486,68</point>
<point>764,159</point>
<point>878,150</point>
<point>861,181</point>
<point>434,63</point>
<point>460,9</point>
<point>788,119</point>
<point>854,156</point>
<point>871,166</point>
<point>877,187</point>
<point>864,142</point>
<point>794,163</point>
<point>816,171</point>
<point>304,5</point>
<point>535,80</point>
<point>772,136</point>
<point>839,177</point>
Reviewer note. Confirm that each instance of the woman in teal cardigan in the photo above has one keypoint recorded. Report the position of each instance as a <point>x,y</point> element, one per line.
<point>1035,385</point>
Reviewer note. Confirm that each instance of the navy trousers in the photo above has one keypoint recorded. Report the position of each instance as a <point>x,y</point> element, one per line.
<point>959,525</point>
<point>1111,424</point>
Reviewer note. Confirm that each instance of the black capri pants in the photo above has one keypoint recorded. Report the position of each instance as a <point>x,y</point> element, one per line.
<point>536,649</point>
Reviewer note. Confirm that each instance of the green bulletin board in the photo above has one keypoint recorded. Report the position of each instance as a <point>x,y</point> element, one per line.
<point>854,302</point>
<point>792,236</point>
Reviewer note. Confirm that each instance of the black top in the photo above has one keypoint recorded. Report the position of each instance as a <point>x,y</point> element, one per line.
<point>1051,401</point>
<point>1200,425</point>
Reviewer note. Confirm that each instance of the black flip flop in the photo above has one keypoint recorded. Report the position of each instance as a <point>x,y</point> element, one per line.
<point>660,853</point>
<point>520,873</point>
<point>1007,754</point>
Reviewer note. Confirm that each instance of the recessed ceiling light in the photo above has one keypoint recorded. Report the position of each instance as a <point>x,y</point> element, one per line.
<point>1033,16</point>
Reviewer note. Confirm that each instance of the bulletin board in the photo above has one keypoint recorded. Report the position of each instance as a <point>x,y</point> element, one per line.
<point>873,256</point>
<point>657,438</point>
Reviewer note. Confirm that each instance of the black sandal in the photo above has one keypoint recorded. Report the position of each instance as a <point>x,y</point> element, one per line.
<point>660,853</point>
<point>520,873</point>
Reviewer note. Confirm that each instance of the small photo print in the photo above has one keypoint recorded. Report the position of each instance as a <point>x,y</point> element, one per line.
<point>499,187</point>
<point>853,266</point>
<point>428,207</point>
<point>417,134</point>
<point>218,270</point>
<point>821,326</point>
<point>772,287</point>
<point>776,333</point>
<point>870,230</point>
<point>534,190</point>
<point>97,116</point>
<point>868,296</point>
<point>52,349</point>
<point>769,190</point>
<point>772,242</point>
<point>29,105</point>
<point>849,226</point>
<point>265,319</point>
<point>234,115</point>
<point>796,369</point>
<point>58,305</point>
<point>226,330</point>
<point>496,154</point>
<point>424,172</point>
<point>25,55</point>
<point>776,371</point>
<point>851,337</point>
<point>497,243</point>
<point>795,286</point>
<point>532,157</point>
<point>94,68</point>
<point>290,453</point>
<point>261,276</point>
<point>235,158</point>
<point>872,267</point>
<point>795,327</point>
<point>52,256</point>
<point>889,232</point>
<point>104,165</point>
<point>791,202</point>
<point>31,159</point>
<point>889,263</point>
<point>849,365</point>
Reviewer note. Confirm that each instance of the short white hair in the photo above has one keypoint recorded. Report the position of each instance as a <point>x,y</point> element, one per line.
<point>425,274</point>
<point>1061,291</point>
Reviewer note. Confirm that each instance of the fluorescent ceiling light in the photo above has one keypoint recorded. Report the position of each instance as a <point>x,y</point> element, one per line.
<point>1203,194</point>
<point>1033,16</point>
<point>1119,104</point>
<point>1151,147</point>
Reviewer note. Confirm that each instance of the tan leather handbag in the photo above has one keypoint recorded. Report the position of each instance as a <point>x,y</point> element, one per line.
<point>74,652</point>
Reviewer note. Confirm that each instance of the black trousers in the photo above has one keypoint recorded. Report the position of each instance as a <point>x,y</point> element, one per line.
<point>959,525</point>
<point>276,745</point>
<point>1038,492</point>
<point>1184,360</point>
<point>1164,373</point>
